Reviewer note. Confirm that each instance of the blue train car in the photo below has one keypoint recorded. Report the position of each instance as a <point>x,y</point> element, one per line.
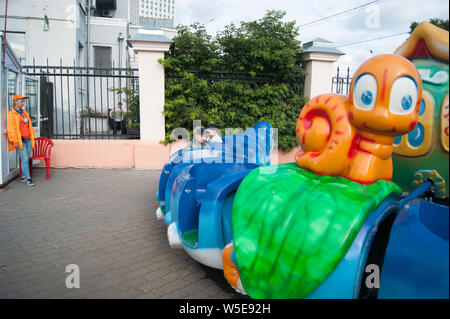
<point>401,252</point>
<point>252,146</point>
<point>197,186</point>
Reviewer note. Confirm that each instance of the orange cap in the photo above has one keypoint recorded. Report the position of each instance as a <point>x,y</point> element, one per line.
<point>18,96</point>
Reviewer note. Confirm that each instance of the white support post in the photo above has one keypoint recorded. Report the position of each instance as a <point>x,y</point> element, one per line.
<point>150,45</point>
<point>319,56</point>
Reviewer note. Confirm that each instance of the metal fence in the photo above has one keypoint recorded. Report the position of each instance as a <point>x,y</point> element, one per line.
<point>81,102</point>
<point>217,76</point>
<point>297,82</point>
<point>341,84</point>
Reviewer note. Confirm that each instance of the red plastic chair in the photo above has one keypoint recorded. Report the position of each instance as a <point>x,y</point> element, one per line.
<point>41,151</point>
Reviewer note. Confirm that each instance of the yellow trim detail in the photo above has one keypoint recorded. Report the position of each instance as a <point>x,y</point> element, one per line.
<point>426,120</point>
<point>444,123</point>
<point>436,40</point>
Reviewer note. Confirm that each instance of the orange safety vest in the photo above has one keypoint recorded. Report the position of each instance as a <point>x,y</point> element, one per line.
<point>13,129</point>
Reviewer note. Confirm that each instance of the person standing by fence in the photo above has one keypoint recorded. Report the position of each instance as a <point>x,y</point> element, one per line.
<point>21,135</point>
<point>117,116</point>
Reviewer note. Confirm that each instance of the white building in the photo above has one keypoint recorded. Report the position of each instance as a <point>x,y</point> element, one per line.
<point>157,9</point>
<point>42,31</point>
<point>77,33</point>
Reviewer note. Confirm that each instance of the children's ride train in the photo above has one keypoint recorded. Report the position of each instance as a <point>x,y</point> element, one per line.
<point>346,219</point>
<point>197,188</point>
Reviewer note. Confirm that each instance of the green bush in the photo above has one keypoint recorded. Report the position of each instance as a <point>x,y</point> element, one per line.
<point>132,101</point>
<point>267,46</point>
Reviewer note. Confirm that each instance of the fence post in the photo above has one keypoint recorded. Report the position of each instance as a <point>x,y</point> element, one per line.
<point>319,56</point>
<point>348,79</point>
<point>150,45</point>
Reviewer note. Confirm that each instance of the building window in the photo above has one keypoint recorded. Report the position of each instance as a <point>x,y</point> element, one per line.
<point>17,42</point>
<point>31,90</point>
<point>102,59</point>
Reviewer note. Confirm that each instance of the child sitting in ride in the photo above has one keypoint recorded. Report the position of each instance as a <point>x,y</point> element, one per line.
<point>203,137</point>
<point>212,134</point>
<point>199,139</point>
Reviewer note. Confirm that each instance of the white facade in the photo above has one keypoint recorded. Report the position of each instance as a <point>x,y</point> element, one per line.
<point>41,31</point>
<point>35,28</point>
<point>157,9</point>
<point>68,33</point>
<point>56,31</point>
<point>319,56</point>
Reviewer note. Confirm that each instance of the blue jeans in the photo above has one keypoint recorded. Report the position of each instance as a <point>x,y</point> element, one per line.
<point>24,155</point>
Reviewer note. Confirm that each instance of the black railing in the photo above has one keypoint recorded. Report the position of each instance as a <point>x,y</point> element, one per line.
<point>214,76</point>
<point>341,84</point>
<point>80,102</point>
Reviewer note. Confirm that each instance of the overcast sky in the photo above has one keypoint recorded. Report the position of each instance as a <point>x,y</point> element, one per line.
<point>380,19</point>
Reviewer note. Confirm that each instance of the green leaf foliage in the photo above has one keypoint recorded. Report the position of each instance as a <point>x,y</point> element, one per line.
<point>132,101</point>
<point>267,47</point>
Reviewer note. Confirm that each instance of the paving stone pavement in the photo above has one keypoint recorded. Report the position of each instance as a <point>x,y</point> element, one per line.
<point>104,222</point>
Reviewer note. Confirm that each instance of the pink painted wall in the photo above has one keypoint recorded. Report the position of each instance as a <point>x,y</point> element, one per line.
<point>126,154</point>
<point>93,153</point>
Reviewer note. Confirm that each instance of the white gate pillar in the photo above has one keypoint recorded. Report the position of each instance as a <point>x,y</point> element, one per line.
<point>319,56</point>
<point>150,45</point>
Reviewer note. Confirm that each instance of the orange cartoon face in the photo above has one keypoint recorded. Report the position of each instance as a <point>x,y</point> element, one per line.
<point>385,96</point>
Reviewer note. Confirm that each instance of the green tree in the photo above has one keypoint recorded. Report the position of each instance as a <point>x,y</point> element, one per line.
<point>268,46</point>
<point>132,116</point>
<point>193,49</point>
<point>437,22</point>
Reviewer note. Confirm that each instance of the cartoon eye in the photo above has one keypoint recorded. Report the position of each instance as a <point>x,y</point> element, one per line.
<point>403,96</point>
<point>365,92</point>
<point>397,140</point>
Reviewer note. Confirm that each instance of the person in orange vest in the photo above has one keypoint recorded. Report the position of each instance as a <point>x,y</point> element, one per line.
<point>21,135</point>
